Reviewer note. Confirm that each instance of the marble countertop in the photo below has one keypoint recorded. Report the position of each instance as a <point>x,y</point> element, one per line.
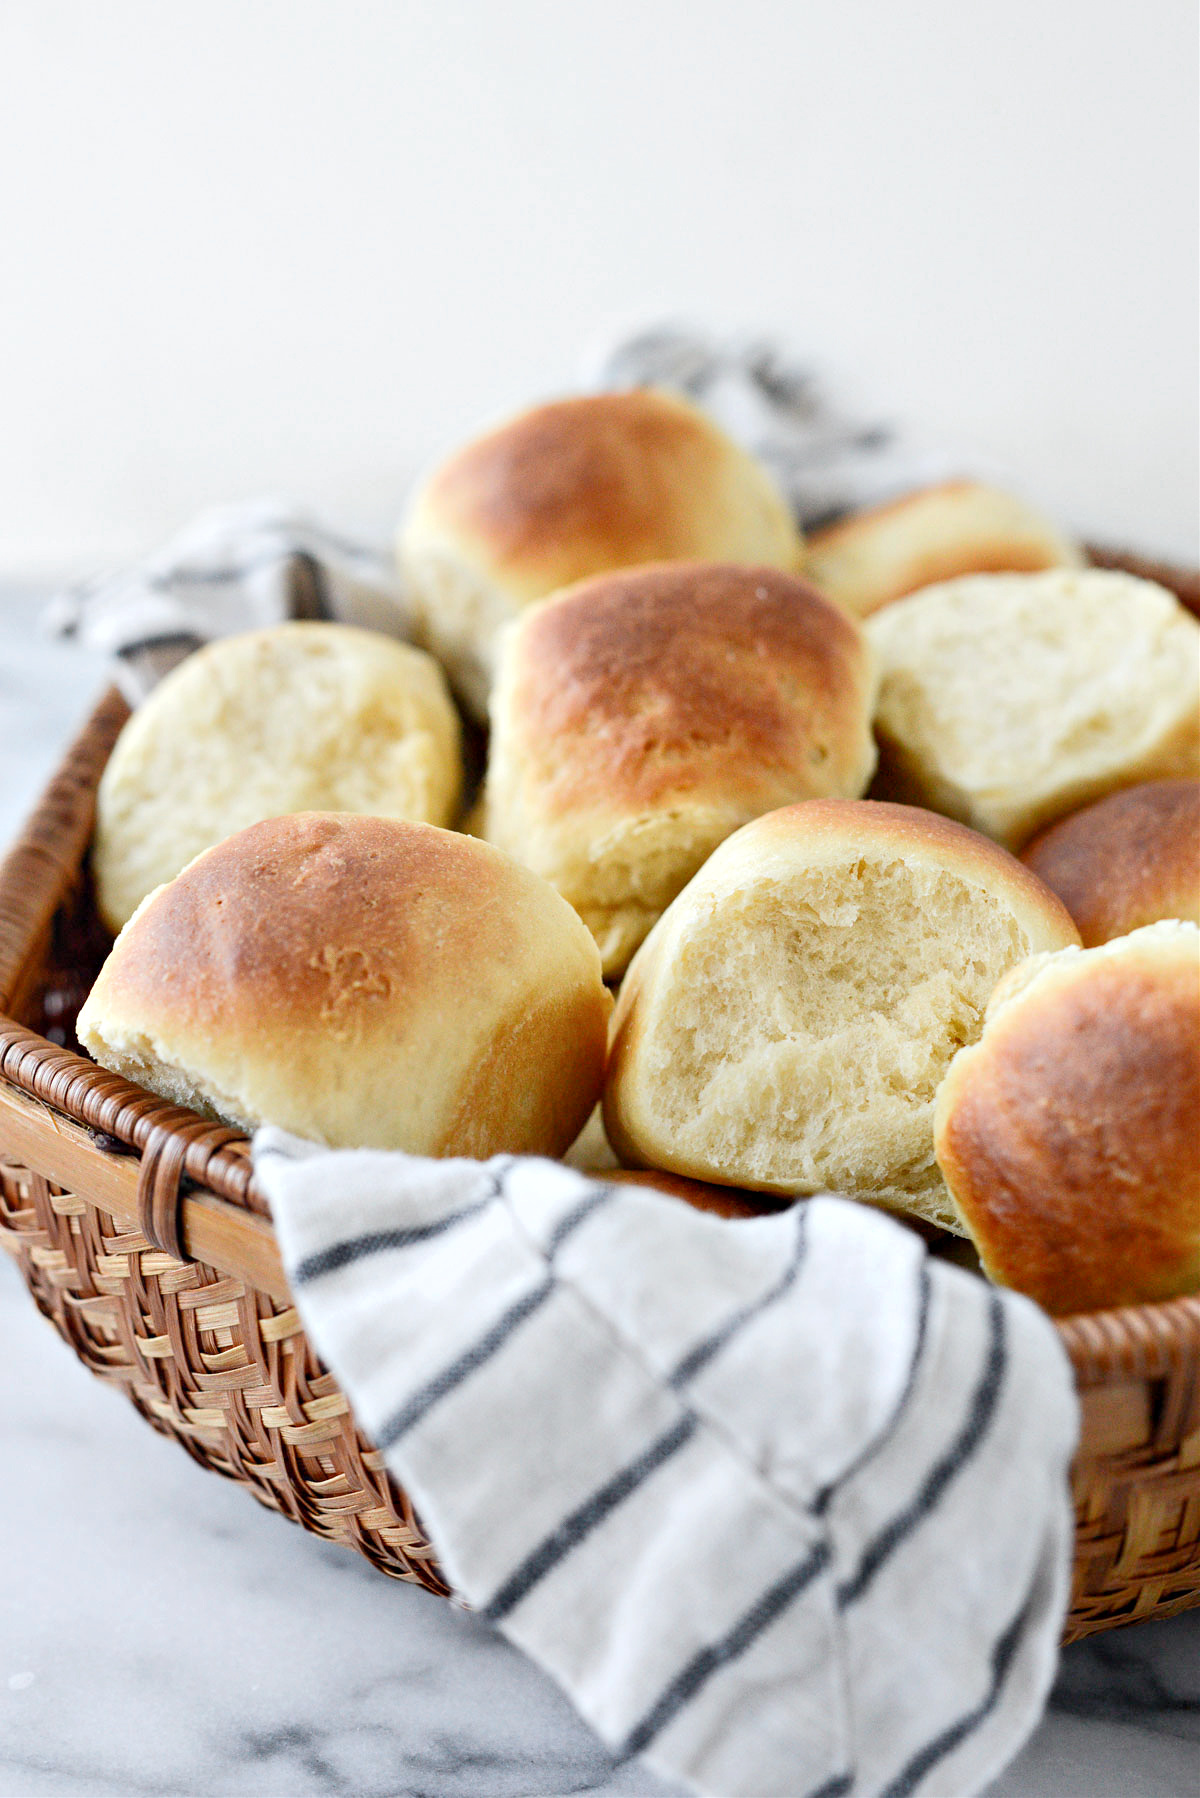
<point>162,1634</point>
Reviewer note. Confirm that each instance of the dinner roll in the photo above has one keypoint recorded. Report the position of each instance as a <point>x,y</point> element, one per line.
<point>640,717</point>
<point>365,982</point>
<point>1183,582</point>
<point>1068,1134</point>
<point>961,527</point>
<point>723,1201</point>
<point>568,490</point>
<point>1126,860</point>
<point>786,1023</point>
<point>1007,700</point>
<point>300,717</point>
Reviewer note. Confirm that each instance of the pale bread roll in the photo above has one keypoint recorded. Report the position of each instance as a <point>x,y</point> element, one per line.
<point>364,982</point>
<point>960,527</point>
<point>1068,1134</point>
<point>1008,700</point>
<point>568,490</point>
<point>785,1025</point>
<point>298,717</point>
<point>641,717</point>
<point>1127,860</point>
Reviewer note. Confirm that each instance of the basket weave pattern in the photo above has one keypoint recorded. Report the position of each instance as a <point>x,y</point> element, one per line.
<point>139,1231</point>
<point>210,1360</point>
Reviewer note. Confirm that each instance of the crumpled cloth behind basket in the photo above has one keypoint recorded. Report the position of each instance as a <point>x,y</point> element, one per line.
<point>826,460</point>
<point>234,568</point>
<point>781,1503</point>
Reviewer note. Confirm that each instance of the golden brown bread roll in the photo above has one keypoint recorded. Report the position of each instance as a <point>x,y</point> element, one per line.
<point>1125,861</point>
<point>1009,700</point>
<point>298,717</point>
<point>364,982</point>
<point>960,527</point>
<point>723,1201</point>
<point>1068,1134</point>
<point>642,716</point>
<point>568,490</point>
<point>786,1023</point>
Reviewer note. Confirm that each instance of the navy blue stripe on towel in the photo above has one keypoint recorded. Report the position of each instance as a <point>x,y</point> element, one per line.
<point>820,1503</point>
<point>980,1412</point>
<point>566,1226</point>
<point>699,1670</point>
<point>442,1384</point>
<point>374,1242</point>
<point>581,1522</point>
<point>700,1356</point>
<point>1003,1655</point>
<point>837,1787</point>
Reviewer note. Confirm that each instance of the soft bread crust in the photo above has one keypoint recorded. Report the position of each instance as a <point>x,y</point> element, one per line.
<point>298,717</point>
<point>1125,861</point>
<point>569,490</point>
<point>1009,700</point>
<point>1068,1134</point>
<point>960,527</point>
<point>723,1201</point>
<point>785,1025</point>
<point>364,982</point>
<point>641,717</point>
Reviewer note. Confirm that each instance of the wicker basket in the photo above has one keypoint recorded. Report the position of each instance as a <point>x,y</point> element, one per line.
<point>141,1235</point>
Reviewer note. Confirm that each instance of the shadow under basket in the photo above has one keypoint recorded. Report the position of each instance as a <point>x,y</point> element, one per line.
<point>142,1237</point>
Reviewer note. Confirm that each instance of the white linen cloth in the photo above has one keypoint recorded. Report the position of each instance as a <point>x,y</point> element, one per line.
<point>235,568</point>
<point>826,461</point>
<point>781,1503</point>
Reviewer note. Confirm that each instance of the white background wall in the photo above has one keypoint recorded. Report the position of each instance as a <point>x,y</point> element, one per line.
<point>296,246</point>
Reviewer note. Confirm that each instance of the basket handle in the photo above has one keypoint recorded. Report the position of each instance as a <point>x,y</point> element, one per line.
<point>163,1176</point>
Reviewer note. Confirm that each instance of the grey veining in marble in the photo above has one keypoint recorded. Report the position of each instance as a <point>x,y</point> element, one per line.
<point>160,1633</point>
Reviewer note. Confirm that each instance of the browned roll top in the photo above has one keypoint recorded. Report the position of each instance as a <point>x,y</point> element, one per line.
<point>1068,1136</point>
<point>674,676</point>
<point>363,981</point>
<point>604,479</point>
<point>1129,859</point>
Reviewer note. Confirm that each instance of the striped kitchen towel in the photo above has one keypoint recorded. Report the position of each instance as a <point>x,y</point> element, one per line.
<point>235,568</point>
<point>826,461</point>
<point>781,1503</point>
